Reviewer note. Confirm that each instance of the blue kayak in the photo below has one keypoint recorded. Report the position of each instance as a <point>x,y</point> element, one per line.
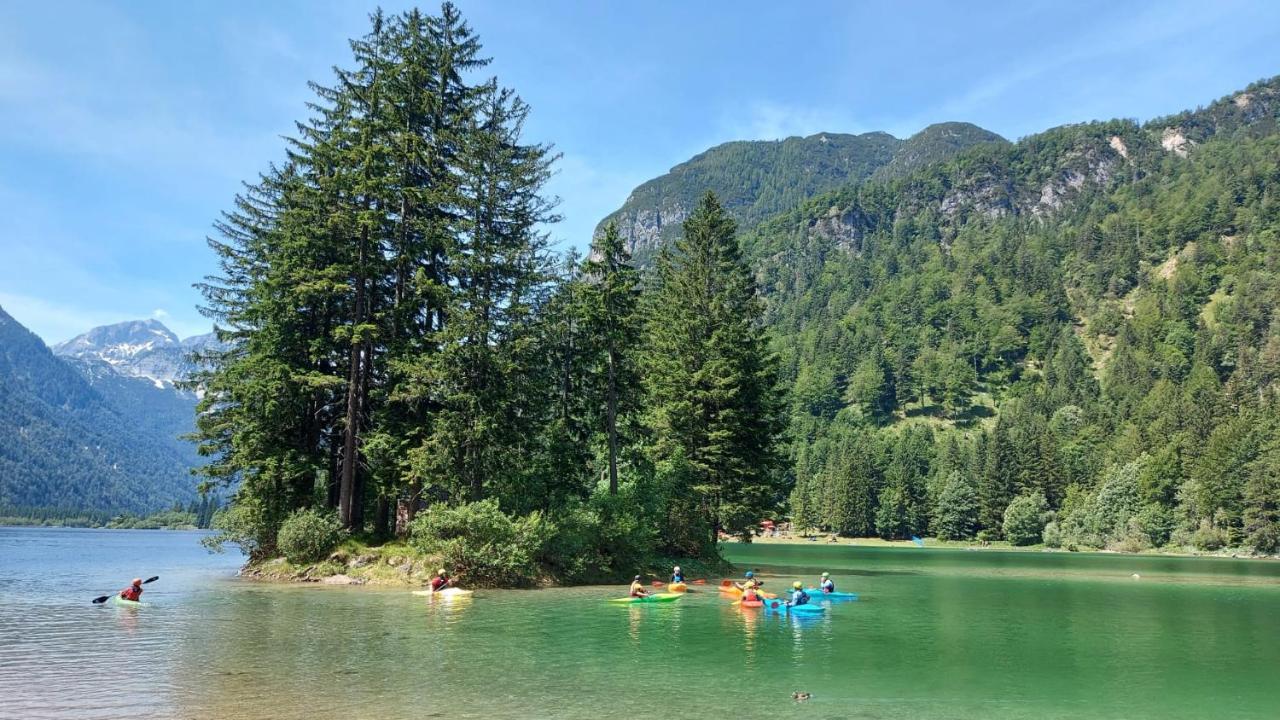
<point>816,594</point>
<point>782,607</point>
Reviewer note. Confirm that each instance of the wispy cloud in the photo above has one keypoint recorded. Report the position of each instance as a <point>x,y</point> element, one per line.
<point>768,120</point>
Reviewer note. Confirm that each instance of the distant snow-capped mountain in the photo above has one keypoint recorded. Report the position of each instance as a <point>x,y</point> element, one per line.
<point>138,348</point>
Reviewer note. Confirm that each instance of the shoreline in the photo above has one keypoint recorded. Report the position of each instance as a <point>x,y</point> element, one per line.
<point>999,546</point>
<point>395,564</point>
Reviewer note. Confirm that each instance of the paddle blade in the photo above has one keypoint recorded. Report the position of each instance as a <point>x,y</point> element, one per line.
<point>657,583</point>
<point>726,583</point>
<point>702,581</point>
<point>153,578</point>
<point>100,600</point>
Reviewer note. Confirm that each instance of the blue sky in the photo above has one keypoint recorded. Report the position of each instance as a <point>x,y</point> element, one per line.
<point>126,127</point>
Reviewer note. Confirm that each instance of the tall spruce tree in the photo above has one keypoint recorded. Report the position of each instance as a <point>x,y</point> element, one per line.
<point>710,379</point>
<point>610,298</point>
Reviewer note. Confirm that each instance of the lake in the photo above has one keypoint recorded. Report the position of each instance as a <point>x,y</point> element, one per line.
<point>936,634</point>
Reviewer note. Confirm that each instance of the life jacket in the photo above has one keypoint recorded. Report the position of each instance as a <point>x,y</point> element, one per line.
<point>438,582</point>
<point>637,590</point>
<point>677,578</point>
<point>131,593</point>
<point>799,597</point>
<point>828,586</point>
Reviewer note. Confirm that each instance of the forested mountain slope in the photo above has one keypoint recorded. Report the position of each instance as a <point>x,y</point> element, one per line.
<point>64,445</point>
<point>1085,320</point>
<point>756,179</point>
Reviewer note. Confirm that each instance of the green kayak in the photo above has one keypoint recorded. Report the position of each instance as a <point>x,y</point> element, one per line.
<point>658,598</point>
<point>117,600</point>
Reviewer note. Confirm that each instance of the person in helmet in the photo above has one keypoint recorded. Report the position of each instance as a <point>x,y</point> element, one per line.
<point>676,575</point>
<point>133,592</point>
<point>441,580</point>
<point>638,590</point>
<point>826,585</point>
<point>798,595</point>
<point>751,581</point>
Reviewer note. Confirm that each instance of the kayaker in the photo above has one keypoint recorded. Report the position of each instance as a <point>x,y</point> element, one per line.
<point>676,575</point>
<point>637,590</point>
<point>826,585</point>
<point>133,592</point>
<point>441,580</point>
<point>798,595</point>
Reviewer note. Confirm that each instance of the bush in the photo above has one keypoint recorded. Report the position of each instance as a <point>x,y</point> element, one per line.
<point>1052,535</point>
<point>1266,539</point>
<point>956,509</point>
<point>1154,523</point>
<point>481,544</point>
<point>1025,518</point>
<point>1209,536</point>
<point>307,536</point>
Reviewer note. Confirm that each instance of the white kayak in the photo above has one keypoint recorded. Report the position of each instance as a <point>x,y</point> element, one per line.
<point>445,593</point>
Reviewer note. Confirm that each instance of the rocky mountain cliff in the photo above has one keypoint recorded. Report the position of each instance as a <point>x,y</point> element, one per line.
<point>756,179</point>
<point>138,349</point>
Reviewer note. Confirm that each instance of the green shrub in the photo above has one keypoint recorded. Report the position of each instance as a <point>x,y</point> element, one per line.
<point>956,509</point>
<point>1155,523</point>
<point>1052,535</point>
<point>1025,518</point>
<point>482,545</point>
<point>307,536</point>
<point>1209,536</point>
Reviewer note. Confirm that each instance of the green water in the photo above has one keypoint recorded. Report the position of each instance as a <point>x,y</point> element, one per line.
<point>937,634</point>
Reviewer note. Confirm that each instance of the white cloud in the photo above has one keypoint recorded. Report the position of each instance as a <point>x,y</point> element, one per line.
<point>767,120</point>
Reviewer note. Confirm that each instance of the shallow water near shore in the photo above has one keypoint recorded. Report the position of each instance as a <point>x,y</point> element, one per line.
<point>936,634</point>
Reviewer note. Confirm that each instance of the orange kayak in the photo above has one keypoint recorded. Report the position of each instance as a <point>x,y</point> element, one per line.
<point>677,587</point>
<point>731,590</point>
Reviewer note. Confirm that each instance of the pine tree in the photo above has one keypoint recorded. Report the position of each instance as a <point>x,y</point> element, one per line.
<point>709,377</point>
<point>610,300</point>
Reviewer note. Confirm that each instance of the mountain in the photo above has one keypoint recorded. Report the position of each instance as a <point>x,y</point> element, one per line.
<point>139,348</point>
<point>64,443</point>
<point>1086,319</point>
<point>937,143</point>
<point>756,179</point>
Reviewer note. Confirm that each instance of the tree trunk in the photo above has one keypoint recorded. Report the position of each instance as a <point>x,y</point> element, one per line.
<point>349,502</point>
<point>613,425</point>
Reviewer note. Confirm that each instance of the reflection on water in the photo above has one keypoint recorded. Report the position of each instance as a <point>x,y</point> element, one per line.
<point>931,637</point>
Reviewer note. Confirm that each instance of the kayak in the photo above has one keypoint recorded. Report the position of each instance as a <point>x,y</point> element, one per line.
<point>657,598</point>
<point>816,594</point>
<point>445,593</point>
<point>731,590</point>
<point>677,587</point>
<point>751,603</point>
<point>796,609</point>
<point>117,600</point>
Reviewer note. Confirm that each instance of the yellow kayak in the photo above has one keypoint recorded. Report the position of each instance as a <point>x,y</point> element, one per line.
<point>445,593</point>
<point>677,587</point>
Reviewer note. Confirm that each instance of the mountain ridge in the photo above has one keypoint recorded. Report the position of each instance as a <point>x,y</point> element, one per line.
<point>64,443</point>
<point>758,178</point>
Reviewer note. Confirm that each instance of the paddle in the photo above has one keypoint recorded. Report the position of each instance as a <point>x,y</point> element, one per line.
<point>104,598</point>
<point>657,583</point>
